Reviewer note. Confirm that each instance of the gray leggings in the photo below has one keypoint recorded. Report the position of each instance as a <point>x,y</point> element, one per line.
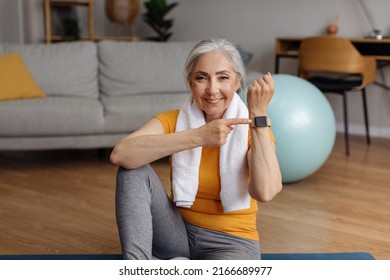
<point>150,224</point>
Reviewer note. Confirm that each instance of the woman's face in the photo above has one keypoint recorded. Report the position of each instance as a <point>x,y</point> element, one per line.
<point>213,82</point>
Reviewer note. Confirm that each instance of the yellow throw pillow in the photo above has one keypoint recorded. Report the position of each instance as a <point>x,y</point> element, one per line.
<point>16,81</point>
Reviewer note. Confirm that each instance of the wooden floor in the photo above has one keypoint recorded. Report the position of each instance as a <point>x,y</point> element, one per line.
<point>62,202</point>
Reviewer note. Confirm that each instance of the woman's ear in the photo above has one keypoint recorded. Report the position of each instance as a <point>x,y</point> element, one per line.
<point>238,84</point>
<point>189,81</point>
<point>189,85</point>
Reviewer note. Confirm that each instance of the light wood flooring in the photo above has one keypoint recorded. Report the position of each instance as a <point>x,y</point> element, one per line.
<point>62,202</point>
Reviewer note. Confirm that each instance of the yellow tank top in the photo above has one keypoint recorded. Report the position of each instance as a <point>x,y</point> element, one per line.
<point>207,211</point>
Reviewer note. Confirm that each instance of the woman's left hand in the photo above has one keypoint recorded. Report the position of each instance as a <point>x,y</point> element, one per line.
<point>259,96</point>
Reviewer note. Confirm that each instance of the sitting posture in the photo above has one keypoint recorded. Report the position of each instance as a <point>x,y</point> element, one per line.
<point>223,161</point>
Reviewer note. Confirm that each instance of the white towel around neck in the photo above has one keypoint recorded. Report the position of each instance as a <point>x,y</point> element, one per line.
<point>232,161</point>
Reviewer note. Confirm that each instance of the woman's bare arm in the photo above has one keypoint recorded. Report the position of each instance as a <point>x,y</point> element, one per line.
<point>150,143</point>
<point>265,176</point>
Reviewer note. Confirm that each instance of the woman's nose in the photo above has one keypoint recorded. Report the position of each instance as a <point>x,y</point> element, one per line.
<point>212,87</point>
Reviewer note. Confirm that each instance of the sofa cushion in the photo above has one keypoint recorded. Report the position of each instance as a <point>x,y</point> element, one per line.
<point>62,69</point>
<point>142,67</point>
<point>128,113</point>
<point>16,81</point>
<point>51,116</point>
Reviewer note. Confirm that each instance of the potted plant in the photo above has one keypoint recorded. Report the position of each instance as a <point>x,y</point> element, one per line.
<point>156,10</point>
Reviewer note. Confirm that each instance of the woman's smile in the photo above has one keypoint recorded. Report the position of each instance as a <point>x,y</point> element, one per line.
<point>213,101</point>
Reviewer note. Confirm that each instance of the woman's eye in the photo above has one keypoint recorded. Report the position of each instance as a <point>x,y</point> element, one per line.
<point>224,78</point>
<point>199,78</point>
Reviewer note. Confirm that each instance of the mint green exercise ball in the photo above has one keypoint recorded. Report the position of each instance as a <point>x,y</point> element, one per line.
<point>304,126</point>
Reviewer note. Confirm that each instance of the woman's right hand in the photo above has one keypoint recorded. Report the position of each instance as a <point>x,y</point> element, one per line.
<point>215,133</point>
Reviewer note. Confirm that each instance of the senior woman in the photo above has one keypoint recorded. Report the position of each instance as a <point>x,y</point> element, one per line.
<point>223,160</point>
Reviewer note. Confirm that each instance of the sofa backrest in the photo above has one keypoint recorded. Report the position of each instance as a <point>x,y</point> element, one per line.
<point>142,67</point>
<point>61,69</point>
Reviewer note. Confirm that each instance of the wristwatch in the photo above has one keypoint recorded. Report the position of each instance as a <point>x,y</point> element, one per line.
<point>261,121</point>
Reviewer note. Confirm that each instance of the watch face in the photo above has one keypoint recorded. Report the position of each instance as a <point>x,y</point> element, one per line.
<point>261,121</point>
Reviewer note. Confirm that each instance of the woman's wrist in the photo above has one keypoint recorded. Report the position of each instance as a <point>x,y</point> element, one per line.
<point>196,136</point>
<point>257,113</point>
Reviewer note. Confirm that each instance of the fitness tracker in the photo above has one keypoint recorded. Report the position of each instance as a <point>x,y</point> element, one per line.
<point>261,121</point>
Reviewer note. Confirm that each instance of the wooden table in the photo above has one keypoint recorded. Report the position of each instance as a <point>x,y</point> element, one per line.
<point>288,47</point>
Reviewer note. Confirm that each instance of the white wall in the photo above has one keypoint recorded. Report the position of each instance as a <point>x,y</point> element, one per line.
<point>11,29</point>
<point>254,24</point>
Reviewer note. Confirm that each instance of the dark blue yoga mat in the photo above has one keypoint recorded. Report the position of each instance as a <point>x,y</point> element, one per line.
<point>285,256</point>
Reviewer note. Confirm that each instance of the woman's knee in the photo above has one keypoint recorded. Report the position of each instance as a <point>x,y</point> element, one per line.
<point>132,187</point>
<point>131,176</point>
<point>142,171</point>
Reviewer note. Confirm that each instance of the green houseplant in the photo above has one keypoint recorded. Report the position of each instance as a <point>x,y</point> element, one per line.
<point>156,10</point>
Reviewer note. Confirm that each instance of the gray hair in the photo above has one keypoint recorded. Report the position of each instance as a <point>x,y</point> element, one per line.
<point>210,45</point>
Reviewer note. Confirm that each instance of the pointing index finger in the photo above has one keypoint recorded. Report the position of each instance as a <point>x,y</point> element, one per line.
<point>234,121</point>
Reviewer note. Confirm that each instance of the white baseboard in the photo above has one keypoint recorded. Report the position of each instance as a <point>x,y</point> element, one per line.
<point>361,130</point>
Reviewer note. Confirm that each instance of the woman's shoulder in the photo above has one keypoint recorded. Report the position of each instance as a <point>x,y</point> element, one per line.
<point>169,114</point>
<point>168,120</point>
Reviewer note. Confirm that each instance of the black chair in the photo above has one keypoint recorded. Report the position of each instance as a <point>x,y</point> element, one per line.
<point>334,65</point>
